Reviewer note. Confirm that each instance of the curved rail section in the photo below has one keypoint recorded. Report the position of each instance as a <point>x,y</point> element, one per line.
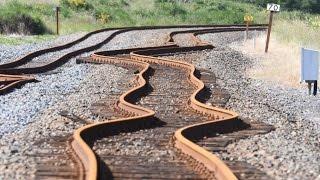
<point>200,155</point>
<point>9,82</point>
<point>204,160</point>
<point>82,136</point>
<point>14,66</point>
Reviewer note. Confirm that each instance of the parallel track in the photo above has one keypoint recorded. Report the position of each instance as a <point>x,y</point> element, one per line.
<point>14,66</point>
<point>25,64</point>
<point>171,100</point>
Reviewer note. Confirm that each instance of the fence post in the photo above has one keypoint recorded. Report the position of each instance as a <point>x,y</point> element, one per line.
<point>57,19</point>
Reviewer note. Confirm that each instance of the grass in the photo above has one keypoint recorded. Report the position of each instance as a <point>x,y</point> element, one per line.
<point>291,30</point>
<point>282,63</point>
<point>95,14</point>
<point>79,23</point>
<point>298,32</point>
<point>18,39</point>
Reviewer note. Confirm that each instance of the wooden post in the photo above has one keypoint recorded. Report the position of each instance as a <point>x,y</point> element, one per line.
<point>57,19</point>
<point>269,31</point>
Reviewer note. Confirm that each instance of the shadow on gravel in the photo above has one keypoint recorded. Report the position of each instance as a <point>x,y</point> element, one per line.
<point>209,79</point>
<point>221,127</point>
<point>205,94</point>
<point>104,171</point>
<point>145,91</point>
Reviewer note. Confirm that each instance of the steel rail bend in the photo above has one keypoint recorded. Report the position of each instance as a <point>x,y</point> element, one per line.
<point>13,82</point>
<point>142,57</point>
<point>196,32</point>
<point>80,145</point>
<point>209,160</point>
<point>202,156</point>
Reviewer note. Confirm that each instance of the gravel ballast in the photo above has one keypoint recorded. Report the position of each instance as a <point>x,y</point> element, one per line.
<point>37,110</point>
<point>292,151</point>
<point>10,53</point>
<point>33,112</point>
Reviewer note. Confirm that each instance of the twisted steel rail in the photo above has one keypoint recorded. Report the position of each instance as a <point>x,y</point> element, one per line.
<point>9,82</point>
<point>13,68</point>
<point>142,57</point>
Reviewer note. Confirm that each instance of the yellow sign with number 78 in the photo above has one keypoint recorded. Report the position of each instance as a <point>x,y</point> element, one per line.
<point>248,18</point>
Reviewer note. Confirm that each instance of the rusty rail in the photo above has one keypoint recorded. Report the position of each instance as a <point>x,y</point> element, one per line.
<point>80,145</point>
<point>9,82</point>
<point>13,67</point>
<point>210,161</point>
<point>142,57</point>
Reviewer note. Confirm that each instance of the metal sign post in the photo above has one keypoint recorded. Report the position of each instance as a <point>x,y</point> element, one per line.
<point>57,18</point>
<point>272,8</point>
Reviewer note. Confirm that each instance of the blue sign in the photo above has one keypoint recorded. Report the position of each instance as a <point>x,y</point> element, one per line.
<point>309,64</point>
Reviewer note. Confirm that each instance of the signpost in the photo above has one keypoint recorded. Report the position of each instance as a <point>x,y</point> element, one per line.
<point>247,19</point>
<point>272,8</point>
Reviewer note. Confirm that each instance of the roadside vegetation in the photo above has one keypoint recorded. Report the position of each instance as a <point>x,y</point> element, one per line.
<point>37,17</point>
<point>311,6</point>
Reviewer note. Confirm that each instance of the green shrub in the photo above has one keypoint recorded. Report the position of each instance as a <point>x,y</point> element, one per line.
<point>171,8</point>
<point>41,9</point>
<point>22,24</point>
<point>16,18</point>
<point>76,4</point>
<point>111,11</point>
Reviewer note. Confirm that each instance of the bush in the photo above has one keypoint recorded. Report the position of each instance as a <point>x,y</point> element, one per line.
<point>111,11</point>
<point>76,4</point>
<point>172,9</point>
<point>21,24</point>
<point>15,18</point>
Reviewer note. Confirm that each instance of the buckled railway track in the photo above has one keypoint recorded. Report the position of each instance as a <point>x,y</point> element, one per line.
<point>165,108</point>
<point>220,136</point>
<point>37,62</point>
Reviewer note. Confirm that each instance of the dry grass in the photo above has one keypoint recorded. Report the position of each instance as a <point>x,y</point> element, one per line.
<point>282,63</point>
<point>79,23</point>
<point>298,32</point>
